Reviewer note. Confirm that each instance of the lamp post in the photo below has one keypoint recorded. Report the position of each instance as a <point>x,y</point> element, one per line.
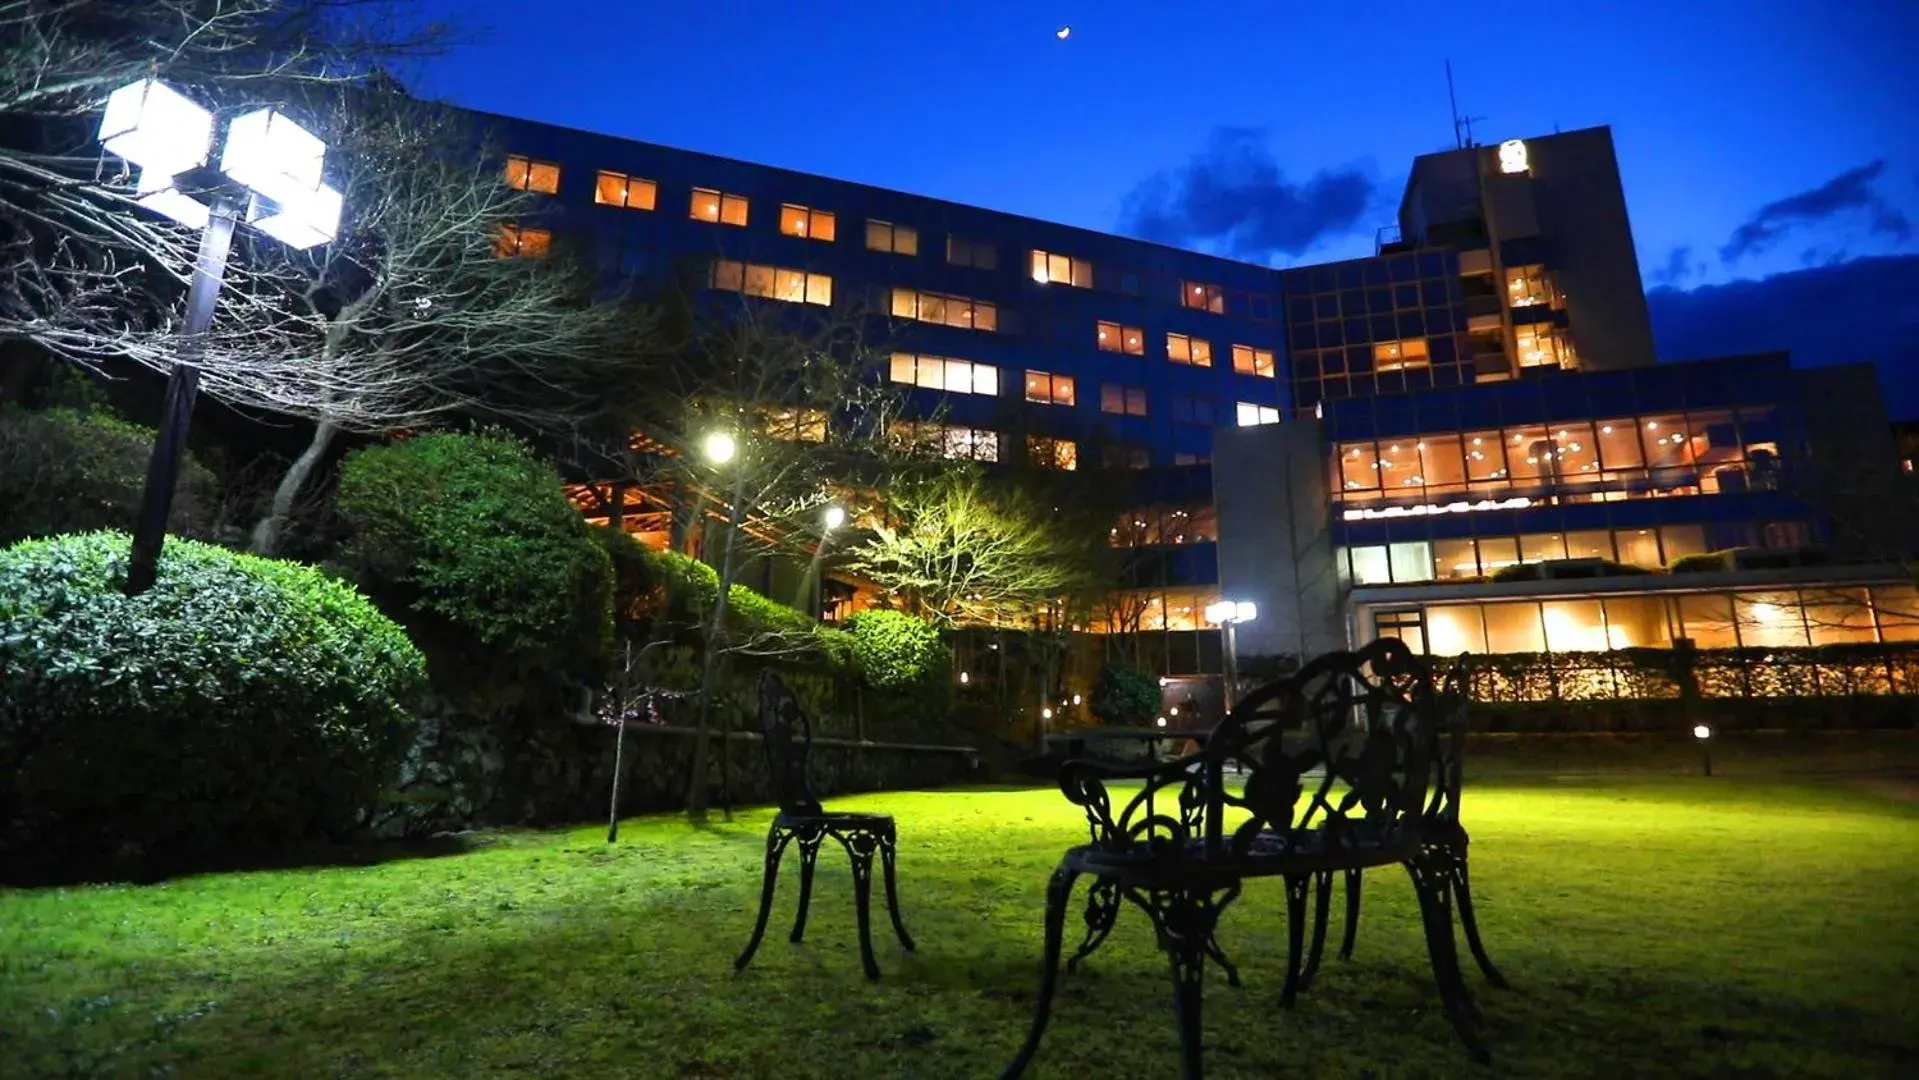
<point>1703,733</point>
<point>833,518</point>
<point>270,172</point>
<point>1228,614</point>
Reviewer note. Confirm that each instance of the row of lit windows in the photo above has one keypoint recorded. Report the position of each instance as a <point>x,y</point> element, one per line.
<point>1132,611</point>
<point>945,310</point>
<point>773,282</point>
<point>963,443</point>
<point>1469,558</point>
<point>1772,618</point>
<point>1183,349</point>
<point>1152,526</point>
<point>945,373</point>
<point>1046,388</point>
<point>1708,452</point>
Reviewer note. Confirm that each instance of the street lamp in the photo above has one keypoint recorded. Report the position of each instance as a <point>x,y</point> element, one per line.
<point>1703,733</point>
<point>835,517</point>
<point>1228,614</point>
<point>719,447</point>
<point>270,165</point>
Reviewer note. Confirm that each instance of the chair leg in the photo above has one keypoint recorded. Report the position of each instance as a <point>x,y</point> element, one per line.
<point>1352,914</point>
<point>1189,984</point>
<point>1430,882</point>
<point>1296,885</point>
<point>1212,941</point>
<point>1463,891</point>
<point>776,840</point>
<point>1102,911</point>
<point>1058,892</point>
<point>1322,900</point>
<point>888,853</point>
<point>809,854</point>
<point>859,849</point>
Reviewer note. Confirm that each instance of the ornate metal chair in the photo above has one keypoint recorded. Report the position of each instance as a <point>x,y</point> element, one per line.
<point>1443,831</point>
<point>1364,725</point>
<point>789,743</point>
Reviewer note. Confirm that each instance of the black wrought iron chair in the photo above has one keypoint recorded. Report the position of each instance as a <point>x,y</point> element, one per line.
<point>1443,831</point>
<point>1336,761</point>
<point>789,743</point>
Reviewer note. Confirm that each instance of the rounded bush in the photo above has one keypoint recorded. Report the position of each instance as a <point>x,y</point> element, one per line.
<point>895,651</point>
<point>1125,696</point>
<point>238,703</point>
<point>67,470</point>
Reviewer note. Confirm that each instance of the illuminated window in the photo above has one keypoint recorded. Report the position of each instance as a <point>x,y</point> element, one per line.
<point>1250,361</point>
<point>1048,267</point>
<point>977,254</point>
<point>619,189</point>
<point>1127,339</point>
<point>1050,453</point>
<point>1528,286</point>
<point>1181,349</point>
<point>710,205</point>
<point>1194,409</point>
<point>945,310</point>
<point>522,240</point>
<point>1396,355</point>
<point>1252,415</point>
<point>1542,345</point>
<point>944,373</point>
<point>794,425</point>
<point>1204,297</point>
<point>1122,400</point>
<point>946,440</point>
<point>525,174</point>
<point>773,282</point>
<point>800,221</point>
<point>888,237</point>
<point>1047,389</point>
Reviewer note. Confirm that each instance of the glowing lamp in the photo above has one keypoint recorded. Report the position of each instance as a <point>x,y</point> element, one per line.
<point>965,677</point>
<point>1046,713</point>
<point>1701,732</point>
<point>1076,699</point>
<point>154,126</point>
<point>1160,722</point>
<point>303,219</point>
<point>1231,611</point>
<point>155,190</point>
<point>1513,157</point>
<point>274,156</point>
<point>719,447</point>
<point>835,516</point>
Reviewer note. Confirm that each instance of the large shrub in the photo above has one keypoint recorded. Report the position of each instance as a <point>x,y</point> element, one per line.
<point>238,703</point>
<point>471,540</point>
<point>895,651</point>
<point>1125,696</point>
<point>66,470</point>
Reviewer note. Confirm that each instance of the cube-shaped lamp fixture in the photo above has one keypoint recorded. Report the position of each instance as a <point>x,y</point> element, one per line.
<point>274,156</point>
<point>303,220</point>
<point>154,126</point>
<point>155,190</point>
<point>1231,611</point>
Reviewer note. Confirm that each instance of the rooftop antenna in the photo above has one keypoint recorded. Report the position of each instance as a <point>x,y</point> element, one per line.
<point>1462,125</point>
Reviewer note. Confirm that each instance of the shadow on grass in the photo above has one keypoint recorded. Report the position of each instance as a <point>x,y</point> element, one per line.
<point>47,869</point>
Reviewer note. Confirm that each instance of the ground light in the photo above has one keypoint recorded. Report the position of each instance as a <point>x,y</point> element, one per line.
<point>1703,733</point>
<point>271,168</point>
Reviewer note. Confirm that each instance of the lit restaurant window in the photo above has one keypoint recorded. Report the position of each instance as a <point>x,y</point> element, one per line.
<point>710,205</point>
<point>944,373</point>
<point>1063,269</point>
<point>801,221</point>
<point>1047,389</point>
<point>1181,349</point>
<point>1127,339</point>
<point>619,189</point>
<point>1122,400</point>
<point>888,237</point>
<point>977,254</point>
<point>1050,453</point>
<point>1204,297</point>
<point>522,240</point>
<point>945,310</point>
<point>525,174</point>
<point>1250,361</point>
<point>1251,415</point>
<point>1398,355</point>
<point>773,282</point>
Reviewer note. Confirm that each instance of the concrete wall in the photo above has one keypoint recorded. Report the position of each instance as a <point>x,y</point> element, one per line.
<point>1269,490</point>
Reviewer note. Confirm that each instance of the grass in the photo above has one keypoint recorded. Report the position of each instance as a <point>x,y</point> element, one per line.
<point>1653,924</point>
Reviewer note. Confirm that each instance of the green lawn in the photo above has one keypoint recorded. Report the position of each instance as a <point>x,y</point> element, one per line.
<point>1653,925</point>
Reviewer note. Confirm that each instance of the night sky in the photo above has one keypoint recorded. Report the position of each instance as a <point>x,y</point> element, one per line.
<point>1770,148</point>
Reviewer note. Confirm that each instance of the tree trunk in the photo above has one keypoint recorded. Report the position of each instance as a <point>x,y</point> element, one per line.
<point>267,534</point>
<point>709,664</point>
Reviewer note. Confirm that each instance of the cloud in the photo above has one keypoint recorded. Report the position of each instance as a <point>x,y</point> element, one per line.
<point>1845,312</point>
<point>1678,269</point>
<point>1851,192</point>
<point>1232,197</point>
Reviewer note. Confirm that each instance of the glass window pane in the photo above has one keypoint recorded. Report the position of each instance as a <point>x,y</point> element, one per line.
<point>706,204</point>
<point>932,308</point>
<point>1514,627</point>
<point>1636,622</point>
<point>1442,464</point>
<point>543,177</point>
<point>1485,456</point>
<point>1619,444</point>
<point>1770,619</point>
<point>1454,559</point>
<point>1706,618</point>
<point>985,317</point>
<point>1837,616</point>
<point>1496,552</point>
<point>1411,561</point>
<point>793,220</point>
<point>1678,541</point>
<point>1897,608</point>
<point>905,303</point>
<point>610,190</point>
<point>959,377</point>
<point>1455,628</point>
<point>932,373</point>
<point>1638,547</point>
<point>641,194</point>
<point>1246,413</point>
<point>902,369</point>
<point>819,289</point>
<point>1590,544</point>
<point>728,274</point>
<point>879,235</point>
<point>1539,547</point>
<point>789,285</point>
<point>759,280</point>
<point>733,210</point>
<point>1574,626</point>
<point>1369,566</point>
<point>1063,390</point>
<point>906,241</point>
<point>985,379</point>
<point>822,225</point>
<point>1529,455</point>
<point>1112,398</point>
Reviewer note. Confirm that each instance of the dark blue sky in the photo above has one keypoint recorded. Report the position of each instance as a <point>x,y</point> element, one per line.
<point>1755,136</point>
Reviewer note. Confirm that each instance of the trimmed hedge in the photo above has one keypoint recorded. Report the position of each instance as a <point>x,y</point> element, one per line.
<point>895,651</point>
<point>240,703</point>
<point>66,470</point>
<point>1125,696</point>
